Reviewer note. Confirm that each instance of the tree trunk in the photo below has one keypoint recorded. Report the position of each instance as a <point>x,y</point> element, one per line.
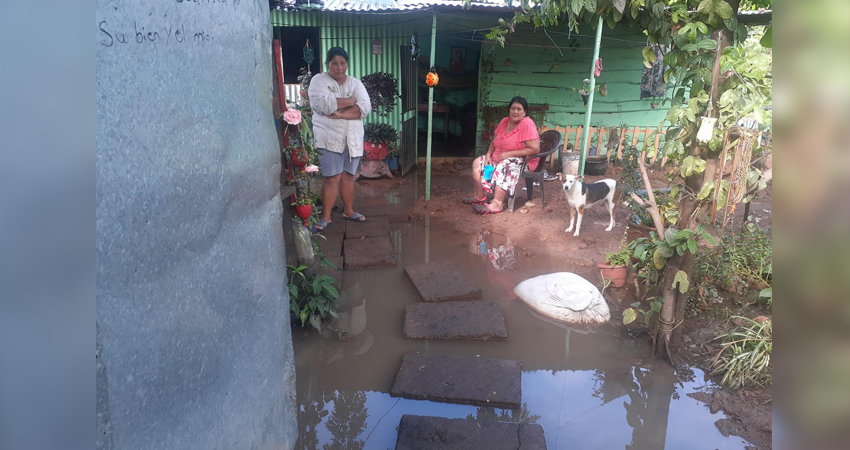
<point>668,336</point>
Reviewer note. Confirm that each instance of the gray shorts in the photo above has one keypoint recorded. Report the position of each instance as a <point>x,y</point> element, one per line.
<point>332,164</point>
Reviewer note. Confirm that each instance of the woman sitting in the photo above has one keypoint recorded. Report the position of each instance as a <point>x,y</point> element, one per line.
<point>515,138</point>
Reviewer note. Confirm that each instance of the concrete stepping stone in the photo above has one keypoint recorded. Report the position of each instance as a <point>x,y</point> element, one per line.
<point>459,379</point>
<point>455,320</point>
<point>442,281</point>
<point>439,433</point>
<point>368,252</point>
<point>395,213</point>
<point>374,226</point>
<point>331,245</point>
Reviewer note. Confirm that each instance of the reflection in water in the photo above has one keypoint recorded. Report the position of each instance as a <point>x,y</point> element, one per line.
<point>522,415</point>
<point>594,390</point>
<point>347,421</point>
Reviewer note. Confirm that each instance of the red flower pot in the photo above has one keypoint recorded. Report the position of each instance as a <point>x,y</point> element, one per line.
<point>617,274</point>
<point>304,211</point>
<point>300,157</point>
<point>375,151</point>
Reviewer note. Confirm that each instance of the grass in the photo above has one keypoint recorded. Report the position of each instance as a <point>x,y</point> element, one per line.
<point>744,359</point>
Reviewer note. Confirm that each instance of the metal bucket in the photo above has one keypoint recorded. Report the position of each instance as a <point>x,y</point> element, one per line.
<point>569,162</point>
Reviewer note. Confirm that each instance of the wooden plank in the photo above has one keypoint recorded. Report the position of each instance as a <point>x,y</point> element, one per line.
<point>620,145</point>
<point>655,155</point>
<point>600,145</point>
<point>578,137</point>
<point>635,136</point>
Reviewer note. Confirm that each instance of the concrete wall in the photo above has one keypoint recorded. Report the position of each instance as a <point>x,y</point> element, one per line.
<point>193,339</point>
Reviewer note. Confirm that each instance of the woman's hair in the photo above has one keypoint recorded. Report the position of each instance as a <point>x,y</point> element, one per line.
<point>334,52</point>
<point>522,101</point>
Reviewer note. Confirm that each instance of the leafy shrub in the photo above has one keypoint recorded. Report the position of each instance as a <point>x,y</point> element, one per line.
<point>746,257</point>
<point>744,359</point>
<point>383,92</point>
<point>311,297</point>
<point>379,133</point>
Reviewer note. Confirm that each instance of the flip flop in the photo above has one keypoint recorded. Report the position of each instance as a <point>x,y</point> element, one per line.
<point>322,225</point>
<point>357,217</point>
<point>484,210</point>
<point>474,201</point>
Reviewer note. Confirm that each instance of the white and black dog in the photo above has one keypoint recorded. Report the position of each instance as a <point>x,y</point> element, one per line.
<point>581,194</point>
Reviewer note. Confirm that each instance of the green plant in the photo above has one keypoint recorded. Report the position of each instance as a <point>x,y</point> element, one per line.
<point>745,259</point>
<point>383,92</point>
<point>630,314</point>
<point>305,200</point>
<point>621,256</point>
<point>618,258</point>
<point>379,133</point>
<point>744,358</point>
<point>311,297</point>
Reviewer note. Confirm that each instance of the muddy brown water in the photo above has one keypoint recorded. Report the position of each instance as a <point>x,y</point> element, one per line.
<point>587,390</point>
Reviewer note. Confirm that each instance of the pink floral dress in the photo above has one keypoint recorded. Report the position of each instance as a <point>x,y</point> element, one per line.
<point>506,173</point>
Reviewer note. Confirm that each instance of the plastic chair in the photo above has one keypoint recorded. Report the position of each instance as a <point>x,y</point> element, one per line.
<point>549,141</point>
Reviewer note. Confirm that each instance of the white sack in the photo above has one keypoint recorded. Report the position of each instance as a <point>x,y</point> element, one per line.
<point>565,297</point>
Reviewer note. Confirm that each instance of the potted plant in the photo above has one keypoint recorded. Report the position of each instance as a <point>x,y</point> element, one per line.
<point>616,263</point>
<point>303,208</point>
<point>585,90</point>
<point>383,92</point>
<point>377,137</point>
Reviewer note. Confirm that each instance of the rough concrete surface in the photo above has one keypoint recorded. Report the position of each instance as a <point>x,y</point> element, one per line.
<point>443,281</point>
<point>455,320</point>
<point>193,335</point>
<point>331,244</point>
<point>459,379</point>
<point>369,252</point>
<point>439,433</point>
<point>374,226</point>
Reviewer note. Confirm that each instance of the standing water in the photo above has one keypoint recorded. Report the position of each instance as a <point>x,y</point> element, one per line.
<point>587,390</point>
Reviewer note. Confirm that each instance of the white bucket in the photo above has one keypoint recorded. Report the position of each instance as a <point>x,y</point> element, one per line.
<point>570,162</point>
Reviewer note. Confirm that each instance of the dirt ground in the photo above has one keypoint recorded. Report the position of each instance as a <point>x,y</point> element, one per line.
<point>540,231</point>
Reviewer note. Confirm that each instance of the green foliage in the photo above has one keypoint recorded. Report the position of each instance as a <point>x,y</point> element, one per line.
<point>311,297</point>
<point>744,359</point>
<point>745,258</point>
<point>667,208</point>
<point>619,258</point>
<point>383,92</point>
<point>630,314</point>
<point>379,133</point>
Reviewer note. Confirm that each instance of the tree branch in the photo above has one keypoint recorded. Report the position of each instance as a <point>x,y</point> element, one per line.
<point>650,205</point>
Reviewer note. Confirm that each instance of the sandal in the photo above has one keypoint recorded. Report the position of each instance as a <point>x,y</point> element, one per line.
<point>484,209</point>
<point>357,217</point>
<point>322,225</point>
<point>474,201</point>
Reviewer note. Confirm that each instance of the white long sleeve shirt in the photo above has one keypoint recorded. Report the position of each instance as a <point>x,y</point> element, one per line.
<point>332,134</point>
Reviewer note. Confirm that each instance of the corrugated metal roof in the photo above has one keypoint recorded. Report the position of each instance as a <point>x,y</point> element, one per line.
<point>402,5</point>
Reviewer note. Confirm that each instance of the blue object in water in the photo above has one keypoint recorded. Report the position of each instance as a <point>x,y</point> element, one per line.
<point>488,171</point>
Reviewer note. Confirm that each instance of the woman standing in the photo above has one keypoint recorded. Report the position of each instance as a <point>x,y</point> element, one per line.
<point>339,104</point>
<point>515,138</point>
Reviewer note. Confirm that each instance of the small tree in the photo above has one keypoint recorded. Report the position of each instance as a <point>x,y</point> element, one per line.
<point>713,72</point>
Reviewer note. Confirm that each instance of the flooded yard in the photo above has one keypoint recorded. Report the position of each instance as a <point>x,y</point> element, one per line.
<point>587,390</point>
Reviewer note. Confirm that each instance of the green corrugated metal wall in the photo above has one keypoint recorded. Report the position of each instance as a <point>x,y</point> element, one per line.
<point>542,75</point>
<point>354,32</point>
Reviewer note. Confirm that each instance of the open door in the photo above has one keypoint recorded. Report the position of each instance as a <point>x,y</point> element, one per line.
<point>407,155</point>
